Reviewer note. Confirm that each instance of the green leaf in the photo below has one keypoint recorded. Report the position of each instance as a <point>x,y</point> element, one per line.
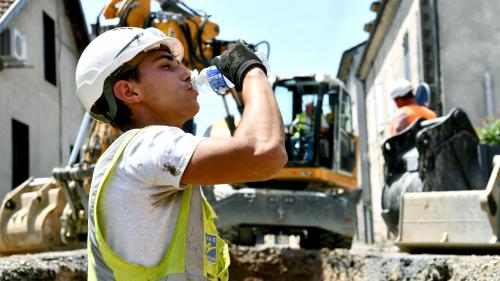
<point>491,132</point>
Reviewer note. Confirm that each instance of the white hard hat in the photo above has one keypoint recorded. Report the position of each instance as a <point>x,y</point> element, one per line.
<point>109,51</point>
<point>400,88</point>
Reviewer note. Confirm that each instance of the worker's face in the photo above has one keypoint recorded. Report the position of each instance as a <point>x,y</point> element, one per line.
<point>309,109</point>
<point>166,88</point>
<point>399,102</point>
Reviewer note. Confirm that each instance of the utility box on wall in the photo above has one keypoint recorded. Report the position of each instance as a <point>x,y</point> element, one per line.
<point>13,45</point>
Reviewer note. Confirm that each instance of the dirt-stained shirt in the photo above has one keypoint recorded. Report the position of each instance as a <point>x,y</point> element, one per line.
<point>139,208</point>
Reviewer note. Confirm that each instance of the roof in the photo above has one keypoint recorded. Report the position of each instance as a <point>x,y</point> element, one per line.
<point>9,9</point>
<point>385,14</point>
<point>74,12</point>
<point>4,6</point>
<point>346,62</point>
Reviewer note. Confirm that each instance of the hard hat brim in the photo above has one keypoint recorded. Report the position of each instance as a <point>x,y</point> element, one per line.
<point>90,89</point>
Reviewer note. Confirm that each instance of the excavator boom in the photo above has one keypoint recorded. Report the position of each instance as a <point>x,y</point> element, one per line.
<point>44,214</point>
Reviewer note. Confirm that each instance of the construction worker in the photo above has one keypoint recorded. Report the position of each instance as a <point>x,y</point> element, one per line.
<point>302,132</point>
<point>409,110</point>
<point>147,217</point>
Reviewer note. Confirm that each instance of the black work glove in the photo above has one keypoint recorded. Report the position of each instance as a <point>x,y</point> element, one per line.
<point>236,61</point>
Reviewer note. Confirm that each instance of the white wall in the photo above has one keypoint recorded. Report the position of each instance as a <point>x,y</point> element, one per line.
<point>52,113</point>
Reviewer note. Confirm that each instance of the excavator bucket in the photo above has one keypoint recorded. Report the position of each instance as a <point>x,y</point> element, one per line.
<point>452,221</point>
<point>430,156</point>
<point>29,215</point>
<point>435,197</point>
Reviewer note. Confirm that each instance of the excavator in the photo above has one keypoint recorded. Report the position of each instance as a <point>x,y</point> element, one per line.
<point>312,199</point>
<point>441,191</point>
<point>44,214</point>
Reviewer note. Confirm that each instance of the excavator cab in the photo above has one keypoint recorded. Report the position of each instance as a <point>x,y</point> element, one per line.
<point>314,199</point>
<point>321,147</point>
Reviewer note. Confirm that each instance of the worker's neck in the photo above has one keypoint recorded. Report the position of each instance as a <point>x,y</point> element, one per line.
<point>402,103</point>
<point>141,121</point>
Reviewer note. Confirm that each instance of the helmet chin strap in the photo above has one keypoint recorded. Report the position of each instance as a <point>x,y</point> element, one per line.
<point>108,91</point>
<point>110,100</point>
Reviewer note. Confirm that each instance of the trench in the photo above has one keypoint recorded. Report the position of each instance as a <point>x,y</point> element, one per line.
<point>276,263</point>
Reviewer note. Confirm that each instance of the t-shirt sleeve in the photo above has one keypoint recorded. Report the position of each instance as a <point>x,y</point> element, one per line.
<point>159,155</point>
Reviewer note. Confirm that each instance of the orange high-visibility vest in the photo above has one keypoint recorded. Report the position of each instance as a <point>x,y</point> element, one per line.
<point>415,111</point>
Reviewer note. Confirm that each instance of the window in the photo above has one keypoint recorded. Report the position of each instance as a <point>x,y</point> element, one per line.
<point>379,107</point>
<point>392,108</point>
<point>20,152</point>
<point>346,145</point>
<point>285,102</point>
<point>49,49</point>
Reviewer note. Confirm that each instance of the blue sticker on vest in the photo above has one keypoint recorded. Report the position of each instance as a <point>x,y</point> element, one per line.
<point>211,247</point>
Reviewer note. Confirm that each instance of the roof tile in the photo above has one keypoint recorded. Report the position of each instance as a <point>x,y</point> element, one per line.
<point>4,6</point>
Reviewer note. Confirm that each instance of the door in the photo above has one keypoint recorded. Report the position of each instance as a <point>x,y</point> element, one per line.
<point>345,144</point>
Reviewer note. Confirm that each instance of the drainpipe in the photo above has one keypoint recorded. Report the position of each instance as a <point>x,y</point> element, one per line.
<point>365,166</point>
<point>59,45</point>
<point>488,92</point>
<point>439,96</point>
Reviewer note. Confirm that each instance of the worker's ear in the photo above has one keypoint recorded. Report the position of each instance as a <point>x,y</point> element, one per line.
<point>125,92</point>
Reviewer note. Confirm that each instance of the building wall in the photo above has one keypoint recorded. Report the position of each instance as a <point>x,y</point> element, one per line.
<point>52,113</point>
<point>469,36</point>
<point>355,89</point>
<point>469,39</point>
<point>388,66</point>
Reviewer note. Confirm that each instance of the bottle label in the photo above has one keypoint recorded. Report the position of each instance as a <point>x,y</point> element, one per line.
<point>216,81</point>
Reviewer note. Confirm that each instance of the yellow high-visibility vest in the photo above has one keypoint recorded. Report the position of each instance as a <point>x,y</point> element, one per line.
<point>302,125</point>
<point>215,257</point>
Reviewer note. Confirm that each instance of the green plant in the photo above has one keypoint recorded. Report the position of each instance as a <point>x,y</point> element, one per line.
<point>490,133</point>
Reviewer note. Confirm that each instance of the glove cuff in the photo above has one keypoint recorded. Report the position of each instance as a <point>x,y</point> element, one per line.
<point>244,68</point>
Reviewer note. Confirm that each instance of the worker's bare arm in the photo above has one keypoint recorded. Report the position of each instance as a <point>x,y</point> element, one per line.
<point>255,152</point>
<point>399,123</point>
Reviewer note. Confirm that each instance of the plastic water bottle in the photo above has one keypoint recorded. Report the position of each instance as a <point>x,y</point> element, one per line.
<point>212,77</point>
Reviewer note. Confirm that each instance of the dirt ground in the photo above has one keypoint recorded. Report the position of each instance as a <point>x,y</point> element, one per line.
<point>259,264</point>
<point>365,264</point>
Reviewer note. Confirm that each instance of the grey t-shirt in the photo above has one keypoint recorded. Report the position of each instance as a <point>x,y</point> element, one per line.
<point>140,206</point>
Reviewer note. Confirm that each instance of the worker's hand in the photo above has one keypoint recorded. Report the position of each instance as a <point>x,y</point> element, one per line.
<point>236,61</point>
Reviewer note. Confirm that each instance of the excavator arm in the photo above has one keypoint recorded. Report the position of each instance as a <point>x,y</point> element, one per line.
<point>195,31</point>
<point>44,214</point>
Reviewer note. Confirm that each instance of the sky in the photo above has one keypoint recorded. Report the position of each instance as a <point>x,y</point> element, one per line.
<point>304,36</point>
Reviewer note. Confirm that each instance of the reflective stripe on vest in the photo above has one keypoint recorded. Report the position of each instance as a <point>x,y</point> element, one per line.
<point>215,257</point>
<point>415,111</point>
